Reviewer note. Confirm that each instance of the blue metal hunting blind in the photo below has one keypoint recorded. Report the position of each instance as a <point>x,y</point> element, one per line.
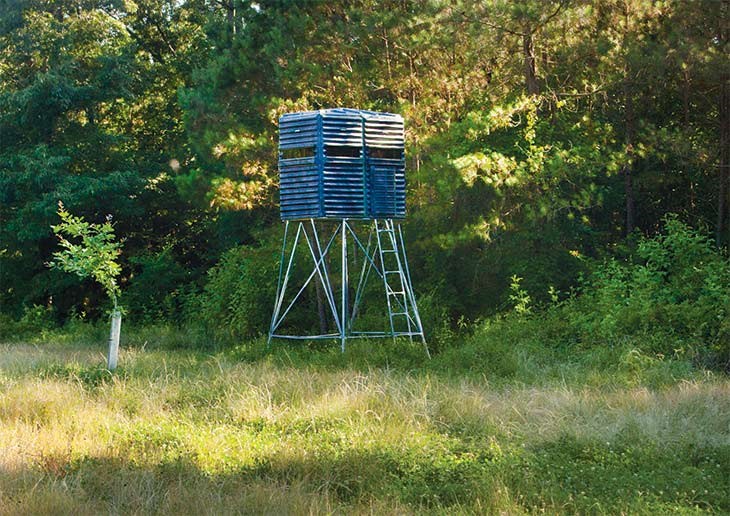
<point>343,171</point>
<point>342,163</point>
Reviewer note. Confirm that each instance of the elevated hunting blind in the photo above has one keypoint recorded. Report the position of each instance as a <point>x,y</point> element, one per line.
<point>342,163</point>
<point>341,170</point>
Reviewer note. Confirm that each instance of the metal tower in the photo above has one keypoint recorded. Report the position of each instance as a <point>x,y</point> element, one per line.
<point>342,175</point>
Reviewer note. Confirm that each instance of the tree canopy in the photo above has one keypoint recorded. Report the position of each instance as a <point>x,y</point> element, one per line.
<point>540,135</point>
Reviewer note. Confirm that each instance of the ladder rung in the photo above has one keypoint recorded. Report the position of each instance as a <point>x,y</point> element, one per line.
<point>389,250</point>
<point>392,272</point>
<point>393,314</point>
<point>394,293</point>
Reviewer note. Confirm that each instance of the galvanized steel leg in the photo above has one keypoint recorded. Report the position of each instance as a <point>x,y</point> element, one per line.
<point>277,303</point>
<point>343,317</point>
<point>318,263</point>
<point>410,290</point>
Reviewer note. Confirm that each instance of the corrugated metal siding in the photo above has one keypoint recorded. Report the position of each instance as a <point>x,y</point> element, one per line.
<point>384,143</point>
<point>344,194</point>
<point>341,163</point>
<point>300,177</point>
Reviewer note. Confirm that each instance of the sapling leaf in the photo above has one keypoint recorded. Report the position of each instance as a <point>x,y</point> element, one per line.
<point>88,250</point>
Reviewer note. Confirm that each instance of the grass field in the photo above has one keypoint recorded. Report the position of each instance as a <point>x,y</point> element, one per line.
<point>475,430</point>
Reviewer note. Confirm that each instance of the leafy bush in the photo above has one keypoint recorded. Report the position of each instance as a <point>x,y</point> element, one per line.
<point>238,297</point>
<point>677,286</point>
<point>158,289</point>
<point>435,320</point>
<point>92,252</point>
<point>35,319</point>
<point>671,298</point>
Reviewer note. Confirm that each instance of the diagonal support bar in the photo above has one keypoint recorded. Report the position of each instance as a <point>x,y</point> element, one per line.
<point>318,263</point>
<point>385,238</point>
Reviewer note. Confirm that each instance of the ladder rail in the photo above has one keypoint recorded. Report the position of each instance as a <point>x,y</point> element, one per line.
<point>370,257</point>
<point>405,303</point>
<point>419,325</point>
<point>401,278</point>
<point>385,277</point>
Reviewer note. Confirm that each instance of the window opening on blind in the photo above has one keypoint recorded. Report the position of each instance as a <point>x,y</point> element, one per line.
<point>381,153</point>
<point>298,152</point>
<point>342,151</point>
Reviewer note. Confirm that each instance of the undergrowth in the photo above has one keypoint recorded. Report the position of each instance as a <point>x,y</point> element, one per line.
<point>611,401</point>
<point>378,429</point>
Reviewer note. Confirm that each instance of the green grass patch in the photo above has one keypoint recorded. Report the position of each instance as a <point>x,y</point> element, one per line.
<point>497,422</point>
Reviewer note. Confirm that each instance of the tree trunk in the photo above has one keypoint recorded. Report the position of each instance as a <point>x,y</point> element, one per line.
<point>229,6</point>
<point>722,204</point>
<point>114,340</point>
<point>321,308</point>
<point>686,91</point>
<point>319,291</point>
<point>528,48</point>
<point>629,194</point>
<point>628,167</point>
<point>721,237</point>
<point>387,56</point>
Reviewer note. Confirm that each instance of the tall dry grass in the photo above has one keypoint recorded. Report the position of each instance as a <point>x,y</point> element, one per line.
<point>188,433</point>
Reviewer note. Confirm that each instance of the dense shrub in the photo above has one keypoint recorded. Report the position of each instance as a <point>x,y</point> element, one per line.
<point>238,297</point>
<point>34,321</point>
<point>677,286</point>
<point>672,297</point>
<point>158,289</point>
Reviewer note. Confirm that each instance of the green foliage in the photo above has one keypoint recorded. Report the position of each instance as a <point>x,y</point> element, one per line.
<point>93,255</point>
<point>519,297</point>
<point>237,300</point>
<point>164,113</point>
<point>90,376</point>
<point>35,321</point>
<point>159,288</point>
<point>678,284</point>
<point>671,298</point>
<point>87,115</point>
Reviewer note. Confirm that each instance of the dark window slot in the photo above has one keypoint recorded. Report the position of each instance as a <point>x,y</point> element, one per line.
<point>299,152</point>
<point>341,151</point>
<point>385,153</point>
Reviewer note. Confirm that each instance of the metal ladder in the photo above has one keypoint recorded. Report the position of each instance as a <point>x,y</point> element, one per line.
<point>399,293</point>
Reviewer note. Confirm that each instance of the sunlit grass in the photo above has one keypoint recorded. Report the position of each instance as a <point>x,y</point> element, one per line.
<point>317,432</point>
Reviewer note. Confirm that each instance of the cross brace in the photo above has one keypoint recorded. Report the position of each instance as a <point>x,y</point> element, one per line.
<point>384,255</point>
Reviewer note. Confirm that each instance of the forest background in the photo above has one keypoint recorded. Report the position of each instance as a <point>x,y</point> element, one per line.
<point>567,161</point>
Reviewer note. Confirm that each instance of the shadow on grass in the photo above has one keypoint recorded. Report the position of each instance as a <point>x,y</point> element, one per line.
<point>564,475</point>
<point>499,363</point>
